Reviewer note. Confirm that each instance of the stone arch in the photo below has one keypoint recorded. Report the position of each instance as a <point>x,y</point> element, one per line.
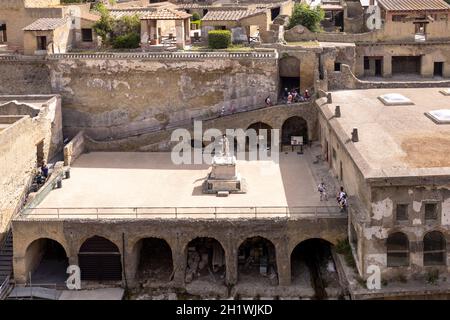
<point>434,249</point>
<point>205,256</point>
<point>397,249</point>
<point>100,259</point>
<point>257,261</point>
<point>294,126</point>
<point>259,127</point>
<point>308,258</point>
<point>153,259</point>
<point>289,73</point>
<point>47,260</point>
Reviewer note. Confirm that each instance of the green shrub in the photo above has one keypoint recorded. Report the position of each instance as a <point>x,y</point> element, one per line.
<point>219,39</point>
<point>432,276</point>
<point>195,16</point>
<point>343,247</point>
<point>306,16</point>
<point>126,41</point>
<point>198,23</point>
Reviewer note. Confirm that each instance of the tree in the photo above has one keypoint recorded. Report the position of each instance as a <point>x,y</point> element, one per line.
<point>306,16</point>
<point>104,26</point>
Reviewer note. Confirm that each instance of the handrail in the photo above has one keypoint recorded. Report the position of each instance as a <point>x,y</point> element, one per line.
<point>180,212</point>
<point>4,286</point>
<point>165,55</point>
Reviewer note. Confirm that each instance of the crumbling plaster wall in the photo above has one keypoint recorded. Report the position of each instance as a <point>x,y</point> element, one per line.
<point>24,77</point>
<point>110,97</point>
<point>382,223</point>
<point>18,154</point>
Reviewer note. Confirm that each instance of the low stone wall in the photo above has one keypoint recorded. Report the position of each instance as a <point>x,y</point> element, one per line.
<point>300,33</point>
<point>74,149</point>
<point>345,79</point>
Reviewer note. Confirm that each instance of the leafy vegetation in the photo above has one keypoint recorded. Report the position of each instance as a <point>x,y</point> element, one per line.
<point>343,247</point>
<point>432,276</point>
<point>219,39</point>
<point>195,16</point>
<point>120,33</point>
<point>306,16</point>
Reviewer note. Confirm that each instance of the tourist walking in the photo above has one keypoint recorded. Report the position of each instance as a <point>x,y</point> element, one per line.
<point>322,192</point>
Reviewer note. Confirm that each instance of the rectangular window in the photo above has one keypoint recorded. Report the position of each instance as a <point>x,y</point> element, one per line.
<point>398,18</point>
<point>431,211</point>
<point>3,33</point>
<point>401,212</point>
<point>337,66</point>
<point>366,63</point>
<point>86,35</point>
<point>41,42</point>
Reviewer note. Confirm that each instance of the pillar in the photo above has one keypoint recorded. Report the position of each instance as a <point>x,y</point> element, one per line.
<point>231,262</point>
<point>154,35</point>
<point>179,264</point>
<point>187,30</point>
<point>387,66</point>
<point>144,31</point>
<point>179,28</point>
<point>283,263</point>
<point>426,66</point>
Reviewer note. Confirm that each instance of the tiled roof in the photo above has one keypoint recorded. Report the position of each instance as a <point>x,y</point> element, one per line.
<point>166,14</point>
<point>230,15</point>
<point>413,5</point>
<point>45,24</point>
<point>90,16</point>
<point>151,13</point>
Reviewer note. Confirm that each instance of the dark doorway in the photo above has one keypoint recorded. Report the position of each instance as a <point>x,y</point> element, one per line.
<point>100,260</point>
<point>274,12</point>
<point>257,261</point>
<point>312,260</point>
<point>289,83</point>
<point>155,260</point>
<point>48,261</point>
<point>339,20</point>
<point>41,42</point>
<point>259,127</point>
<point>205,260</point>
<point>294,126</point>
<point>438,69</point>
<point>40,153</point>
<point>3,37</point>
<point>406,65</point>
<point>378,67</point>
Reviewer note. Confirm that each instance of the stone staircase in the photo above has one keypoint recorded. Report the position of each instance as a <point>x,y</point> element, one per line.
<point>6,256</point>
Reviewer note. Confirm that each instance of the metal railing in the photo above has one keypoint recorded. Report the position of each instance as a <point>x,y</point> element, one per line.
<point>183,212</point>
<point>4,287</point>
<point>167,55</point>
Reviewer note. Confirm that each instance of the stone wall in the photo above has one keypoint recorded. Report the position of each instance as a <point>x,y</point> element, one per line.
<point>24,77</point>
<point>108,98</point>
<point>285,234</point>
<point>18,153</point>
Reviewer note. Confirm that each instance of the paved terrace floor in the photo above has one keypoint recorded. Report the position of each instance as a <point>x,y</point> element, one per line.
<point>143,180</point>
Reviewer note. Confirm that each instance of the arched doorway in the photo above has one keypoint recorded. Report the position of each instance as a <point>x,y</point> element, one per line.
<point>263,132</point>
<point>312,265</point>
<point>205,260</point>
<point>289,71</point>
<point>294,126</point>
<point>47,261</point>
<point>257,261</point>
<point>155,260</point>
<point>100,260</point>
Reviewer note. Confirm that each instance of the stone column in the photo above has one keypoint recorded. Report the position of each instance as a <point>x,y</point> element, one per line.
<point>179,27</point>
<point>387,66</point>
<point>187,30</point>
<point>231,262</point>
<point>154,36</point>
<point>427,66</point>
<point>144,32</point>
<point>179,264</point>
<point>283,264</point>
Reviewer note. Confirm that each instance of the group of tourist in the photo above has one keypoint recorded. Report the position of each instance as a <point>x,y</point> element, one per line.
<point>341,198</point>
<point>293,96</point>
